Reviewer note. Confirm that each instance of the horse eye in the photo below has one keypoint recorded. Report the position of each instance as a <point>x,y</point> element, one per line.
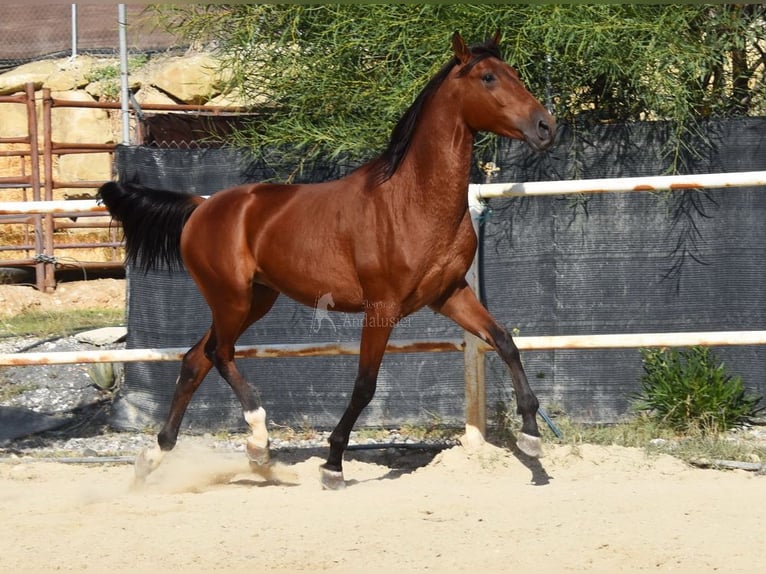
<point>488,78</point>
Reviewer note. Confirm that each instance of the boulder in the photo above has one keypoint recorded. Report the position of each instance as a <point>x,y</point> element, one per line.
<point>73,74</point>
<point>79,125</point>
<point>151,95</point>
<point>81,167</point>
<point>13,121</point>
<point>35,72</point>
<point>191,78</point>
<point>234,98</point>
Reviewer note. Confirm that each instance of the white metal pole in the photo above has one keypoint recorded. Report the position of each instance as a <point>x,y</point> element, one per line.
<point>74,32</point>
<point>623,184</point>
<point>122,22</point>
<point>478,192</point>
<point>542,343</point>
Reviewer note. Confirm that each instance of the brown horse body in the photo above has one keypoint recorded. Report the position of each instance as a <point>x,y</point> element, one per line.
<point>388,239</point>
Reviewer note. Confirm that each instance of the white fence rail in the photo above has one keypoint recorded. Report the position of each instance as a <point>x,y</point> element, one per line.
<point>472,348</point>
<point>621,184</point>
<point>484,191</point>
<point>538,343</point>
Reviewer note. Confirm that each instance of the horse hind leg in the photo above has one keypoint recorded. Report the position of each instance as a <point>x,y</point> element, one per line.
<point>197,362</point>
<point>257,445</point>
<point>228,329</point>
<point>194,367</point>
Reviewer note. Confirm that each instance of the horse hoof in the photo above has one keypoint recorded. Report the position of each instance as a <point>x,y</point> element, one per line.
<point>331,479</point>
<point>265,471</point>
<point>530,445</point>
<point>146,461</point>
<point>258,455</point>
<point>138,482</point>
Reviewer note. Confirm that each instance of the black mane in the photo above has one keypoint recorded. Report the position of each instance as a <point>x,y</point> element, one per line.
<point>389,161</point>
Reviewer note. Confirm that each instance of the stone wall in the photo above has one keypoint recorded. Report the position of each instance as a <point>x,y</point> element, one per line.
<point>165,79</point>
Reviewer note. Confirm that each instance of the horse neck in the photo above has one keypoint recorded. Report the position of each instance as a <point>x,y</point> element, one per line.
<point>438,164</point>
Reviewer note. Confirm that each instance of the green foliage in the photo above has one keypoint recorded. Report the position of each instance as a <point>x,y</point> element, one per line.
<point>690,390</point>
<point>109,76</point>
<point>337,77</point>
<point>102,73</point>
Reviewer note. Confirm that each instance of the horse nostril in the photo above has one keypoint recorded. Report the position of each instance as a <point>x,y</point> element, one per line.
<point>546,132</point>
<point>543,130</point>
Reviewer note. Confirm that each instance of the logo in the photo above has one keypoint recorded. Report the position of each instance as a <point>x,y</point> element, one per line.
<point>323,304</point>
<point>374,315</point>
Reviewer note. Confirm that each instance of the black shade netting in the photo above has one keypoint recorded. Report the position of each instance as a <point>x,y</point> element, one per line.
<point>589,264</point>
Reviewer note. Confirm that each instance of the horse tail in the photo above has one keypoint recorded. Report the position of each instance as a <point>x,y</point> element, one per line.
<point>152,221</point>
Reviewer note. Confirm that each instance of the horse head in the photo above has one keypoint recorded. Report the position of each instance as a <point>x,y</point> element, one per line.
<point>494,99</point>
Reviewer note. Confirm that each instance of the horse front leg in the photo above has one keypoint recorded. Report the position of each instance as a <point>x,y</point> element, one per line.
<point>375,334</point>
<point>464,308</point>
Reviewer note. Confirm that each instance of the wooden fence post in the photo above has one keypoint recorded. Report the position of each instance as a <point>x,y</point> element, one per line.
<point>473,353</point>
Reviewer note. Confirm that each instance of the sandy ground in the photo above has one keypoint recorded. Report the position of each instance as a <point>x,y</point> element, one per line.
<point>93,294</point>
<point>588,508</point>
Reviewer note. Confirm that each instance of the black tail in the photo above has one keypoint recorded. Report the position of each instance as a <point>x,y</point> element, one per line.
<point>152,221</point>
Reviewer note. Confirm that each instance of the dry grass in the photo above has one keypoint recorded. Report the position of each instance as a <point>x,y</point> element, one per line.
<point>23,235</point>
<point>643,432</point>
<point>59,323</point>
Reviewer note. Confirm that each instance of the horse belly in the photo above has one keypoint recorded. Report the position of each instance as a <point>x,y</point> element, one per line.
<point>312,291</point>
<point>310,276</point>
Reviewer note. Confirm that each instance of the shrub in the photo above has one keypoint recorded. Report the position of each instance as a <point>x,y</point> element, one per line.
<point>690,390</point>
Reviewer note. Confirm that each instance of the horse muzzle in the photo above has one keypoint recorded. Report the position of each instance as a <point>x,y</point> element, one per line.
<point>543,133</point>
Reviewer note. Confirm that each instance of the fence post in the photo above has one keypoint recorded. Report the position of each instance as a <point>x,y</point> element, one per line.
<point>34,172</point>
<point>49,275</point>
<point>473,353</point>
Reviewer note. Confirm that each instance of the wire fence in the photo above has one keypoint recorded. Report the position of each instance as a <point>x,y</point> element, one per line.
<point>33,32</point>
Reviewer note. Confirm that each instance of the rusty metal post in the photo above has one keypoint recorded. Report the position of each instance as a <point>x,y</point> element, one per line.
<point>47,253</point>
<point>34,160</point>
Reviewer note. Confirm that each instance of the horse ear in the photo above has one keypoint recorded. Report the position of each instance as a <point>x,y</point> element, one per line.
<point>496,38</point>
<point>462,52</point>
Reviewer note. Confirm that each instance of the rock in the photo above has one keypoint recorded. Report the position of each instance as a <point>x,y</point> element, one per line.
<point>35,72</point>
<point>235,99</point>
<point>104,90</point>
<point>191,78</point>
<point>103,375</point>
<point>58,75</point>
<point>150,95</point>
<point>79,125</point>
<point>82,167</point>
<point>13,121</point>
<point>104,336</point>
<point>73,74</point>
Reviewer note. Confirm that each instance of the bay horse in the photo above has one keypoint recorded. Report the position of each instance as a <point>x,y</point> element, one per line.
<point>393,236</point>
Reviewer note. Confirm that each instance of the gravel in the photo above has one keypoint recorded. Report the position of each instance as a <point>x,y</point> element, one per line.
<point>59,411</point>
